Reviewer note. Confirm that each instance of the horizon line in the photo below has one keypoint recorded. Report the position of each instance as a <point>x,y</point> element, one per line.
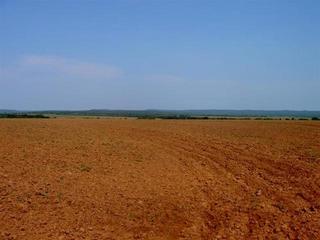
<point>158,109</point>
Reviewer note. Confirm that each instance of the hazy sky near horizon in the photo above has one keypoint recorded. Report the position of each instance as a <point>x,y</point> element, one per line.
<point>139,54</point>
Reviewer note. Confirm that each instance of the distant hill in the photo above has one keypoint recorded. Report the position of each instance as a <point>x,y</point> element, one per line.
<point>166,113</point>
<point>4,111</point>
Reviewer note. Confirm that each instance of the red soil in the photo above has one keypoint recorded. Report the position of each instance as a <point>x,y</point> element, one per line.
<point>157,179</point>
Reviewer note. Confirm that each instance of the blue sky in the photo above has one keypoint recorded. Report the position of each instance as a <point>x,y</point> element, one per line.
<point>139,54</point>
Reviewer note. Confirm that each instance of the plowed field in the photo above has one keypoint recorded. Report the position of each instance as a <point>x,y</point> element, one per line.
<point>159,179</point>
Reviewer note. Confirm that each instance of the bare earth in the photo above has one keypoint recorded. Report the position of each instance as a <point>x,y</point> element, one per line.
<point>158,179</point>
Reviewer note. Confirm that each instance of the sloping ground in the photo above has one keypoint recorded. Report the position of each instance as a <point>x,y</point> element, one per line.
<point>156,179</point>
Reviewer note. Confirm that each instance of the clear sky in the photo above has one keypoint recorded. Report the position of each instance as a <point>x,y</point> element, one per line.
<point>140,54</point>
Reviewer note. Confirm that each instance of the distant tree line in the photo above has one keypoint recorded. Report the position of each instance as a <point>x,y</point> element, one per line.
<point>23,116</point>
<point>186,117</point>
<point>180,114</point>
<point>152,115</point>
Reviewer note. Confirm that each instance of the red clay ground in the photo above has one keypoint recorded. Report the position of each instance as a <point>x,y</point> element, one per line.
<point>157,179</point>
